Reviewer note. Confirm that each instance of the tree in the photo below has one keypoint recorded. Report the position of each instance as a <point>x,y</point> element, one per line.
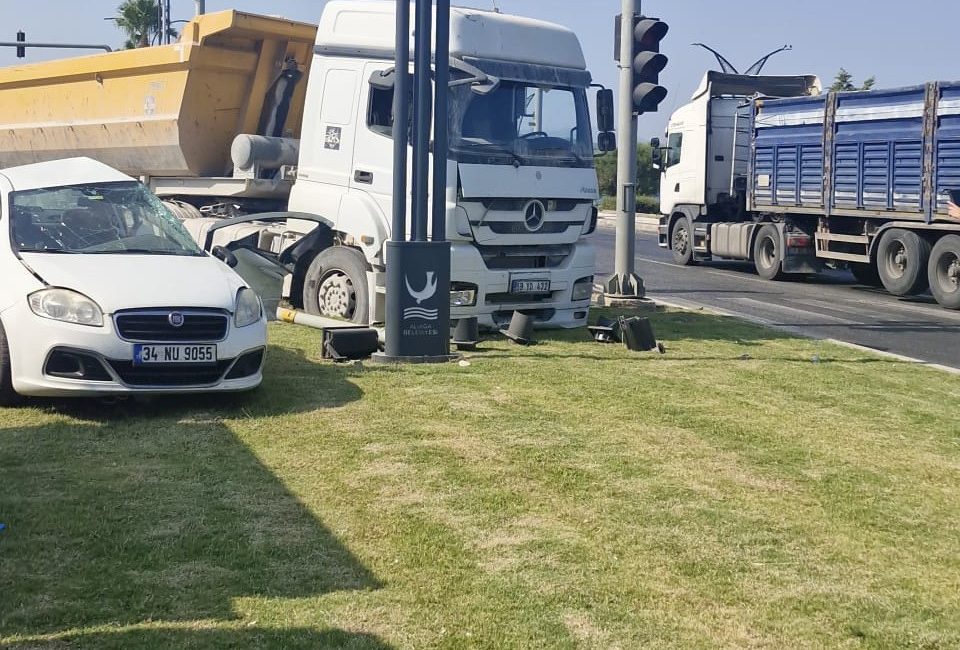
<point>140,19</point>
<point>648,178</point>
<point>843,82</point>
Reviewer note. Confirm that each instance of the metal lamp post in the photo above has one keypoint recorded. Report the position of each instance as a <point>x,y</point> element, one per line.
<point>418,269</point>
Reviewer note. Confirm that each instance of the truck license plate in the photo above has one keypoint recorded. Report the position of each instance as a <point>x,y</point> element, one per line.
<point>150,354</point>
<point>530,286</point>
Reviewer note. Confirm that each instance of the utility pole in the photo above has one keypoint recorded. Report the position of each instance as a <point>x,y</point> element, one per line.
<point>201,7</point>
<point>625,283</point>
<point>640,92</point>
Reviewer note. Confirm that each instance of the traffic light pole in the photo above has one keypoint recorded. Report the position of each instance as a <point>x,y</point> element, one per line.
<point>625,283</point>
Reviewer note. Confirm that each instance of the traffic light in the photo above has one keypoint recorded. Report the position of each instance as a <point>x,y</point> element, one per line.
<point>648,63</point>
<point>21,51</point>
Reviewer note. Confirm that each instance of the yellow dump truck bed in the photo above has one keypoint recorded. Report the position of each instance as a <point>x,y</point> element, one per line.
<point>171,110</point>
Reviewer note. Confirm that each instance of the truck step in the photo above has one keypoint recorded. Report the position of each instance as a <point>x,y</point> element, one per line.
<point>846,257</point>
<point>849,239</point>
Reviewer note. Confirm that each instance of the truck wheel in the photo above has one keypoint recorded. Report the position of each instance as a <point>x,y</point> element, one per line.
<point>681,241</point>
<point>944,272</point>
<point>767,253</point>
<point>902,259</point>
<point>866,274</point>
<point>335,285</point>
<point>7,395</point>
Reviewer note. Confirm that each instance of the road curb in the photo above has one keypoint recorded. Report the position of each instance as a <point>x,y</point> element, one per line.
<point>790,330</point>
<point>648,223</point>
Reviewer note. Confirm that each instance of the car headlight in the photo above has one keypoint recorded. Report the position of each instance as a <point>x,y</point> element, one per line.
<point>583,289</point>
<point>67,306</point>
<point>249,309</point>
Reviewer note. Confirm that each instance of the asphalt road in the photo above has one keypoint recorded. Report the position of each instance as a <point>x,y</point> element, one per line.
<point>830,305</point>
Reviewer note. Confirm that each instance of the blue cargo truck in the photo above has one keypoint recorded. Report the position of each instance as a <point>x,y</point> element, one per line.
<point>774,171</point>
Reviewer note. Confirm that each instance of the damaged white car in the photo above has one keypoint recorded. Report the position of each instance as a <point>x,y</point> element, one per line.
<point>104,293</point>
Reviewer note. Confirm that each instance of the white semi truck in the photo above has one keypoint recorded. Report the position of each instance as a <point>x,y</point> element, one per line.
<point>249,115</point>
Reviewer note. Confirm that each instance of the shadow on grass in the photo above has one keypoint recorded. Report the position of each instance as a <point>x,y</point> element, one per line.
<point>158,512</point>
<point>287,639</point>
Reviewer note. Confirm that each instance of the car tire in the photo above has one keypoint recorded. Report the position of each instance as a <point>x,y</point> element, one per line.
<point>902,262</point>
<point>681,242</point>
<point>768,253</point>
<point>866,274</point>
<point>335,285</point>
<point>943,272</point>
<point>8,397</point>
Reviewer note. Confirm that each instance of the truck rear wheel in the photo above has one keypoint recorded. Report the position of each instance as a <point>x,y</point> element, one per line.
<point>335,285</point>
<point>944,272</point>
<point>902,259</point>
<point>681,241</point>
<point>768,253</point>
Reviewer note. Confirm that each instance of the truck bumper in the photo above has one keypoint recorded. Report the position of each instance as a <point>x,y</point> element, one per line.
<point>567,304</point>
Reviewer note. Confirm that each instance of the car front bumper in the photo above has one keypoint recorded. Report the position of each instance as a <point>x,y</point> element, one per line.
<point>33,341</point>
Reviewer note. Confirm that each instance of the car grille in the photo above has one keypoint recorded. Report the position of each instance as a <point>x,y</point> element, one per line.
<point>170,376</point>
<point>154,325</point>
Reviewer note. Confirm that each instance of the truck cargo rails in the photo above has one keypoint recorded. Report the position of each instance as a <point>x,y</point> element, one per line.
<point>252,114</point>
<point>771,170</point>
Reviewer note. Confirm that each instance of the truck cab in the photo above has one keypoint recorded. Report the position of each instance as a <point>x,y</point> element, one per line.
<point>522,186</point>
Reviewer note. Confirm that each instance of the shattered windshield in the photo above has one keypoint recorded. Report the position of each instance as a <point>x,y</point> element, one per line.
<point>522,123</point>
<point>101,218</point>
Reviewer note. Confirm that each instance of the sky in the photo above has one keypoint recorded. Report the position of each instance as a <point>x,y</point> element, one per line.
<point>898,43</point>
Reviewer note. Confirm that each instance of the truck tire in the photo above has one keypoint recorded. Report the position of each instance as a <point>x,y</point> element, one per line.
<point>902,259</point>
<point>943,272</point>
<point>8,397</point>
<point>335,285</point>
<point>768,253</point>
<point>681,241</point>
<point>866,274</point>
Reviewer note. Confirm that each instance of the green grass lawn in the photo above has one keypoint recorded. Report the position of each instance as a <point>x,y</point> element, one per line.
<point>729,493</point>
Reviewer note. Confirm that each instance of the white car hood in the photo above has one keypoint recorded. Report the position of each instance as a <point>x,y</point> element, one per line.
<point>140,281</point>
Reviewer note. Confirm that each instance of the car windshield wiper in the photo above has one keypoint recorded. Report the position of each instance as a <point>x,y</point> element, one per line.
<point>57,251</point>
<point>141,251</point>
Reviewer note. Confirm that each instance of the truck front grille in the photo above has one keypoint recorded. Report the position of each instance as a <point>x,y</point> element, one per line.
<point>499,258</point>
<point>156,325</point>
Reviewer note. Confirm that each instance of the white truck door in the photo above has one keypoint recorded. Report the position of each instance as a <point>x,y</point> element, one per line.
<point>373,162</point>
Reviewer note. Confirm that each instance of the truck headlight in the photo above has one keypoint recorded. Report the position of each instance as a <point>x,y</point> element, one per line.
<point>66,306</point>
<point>249,310</point>
<point>463,294</point>
<point>583,288</point>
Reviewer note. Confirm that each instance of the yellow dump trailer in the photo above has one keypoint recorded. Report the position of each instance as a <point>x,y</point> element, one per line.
<point>172,110</point>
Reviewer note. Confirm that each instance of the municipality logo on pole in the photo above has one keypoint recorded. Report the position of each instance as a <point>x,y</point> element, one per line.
<point>429,289</point>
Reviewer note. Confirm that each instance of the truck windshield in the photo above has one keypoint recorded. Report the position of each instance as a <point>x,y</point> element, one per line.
<point>101,218</point>
<point>521,123</point>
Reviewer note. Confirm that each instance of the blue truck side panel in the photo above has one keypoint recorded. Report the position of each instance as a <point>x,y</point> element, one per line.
<point>867,153</point>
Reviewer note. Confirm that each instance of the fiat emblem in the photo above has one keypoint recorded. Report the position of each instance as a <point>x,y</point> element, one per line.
<point>175,319</point>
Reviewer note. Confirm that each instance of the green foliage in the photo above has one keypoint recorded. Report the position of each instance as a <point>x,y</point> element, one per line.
<point>648,178</point>
<point>843,82</point>
<point>646,204</point>
<point>140,21</point>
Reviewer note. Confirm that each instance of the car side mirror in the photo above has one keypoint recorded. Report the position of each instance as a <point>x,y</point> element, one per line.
<point>226,256</point>
<point>605,115</point>
<point>607,141</point>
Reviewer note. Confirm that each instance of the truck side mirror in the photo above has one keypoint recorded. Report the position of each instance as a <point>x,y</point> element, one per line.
<point>954,196</point>
<point>656,153</point>
<point>605,117</point>
<point>607,141</point>
<point>225,255</point>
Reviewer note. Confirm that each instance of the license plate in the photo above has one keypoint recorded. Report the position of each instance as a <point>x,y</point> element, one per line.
<point>150,354</point>
<point>530,286</point>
